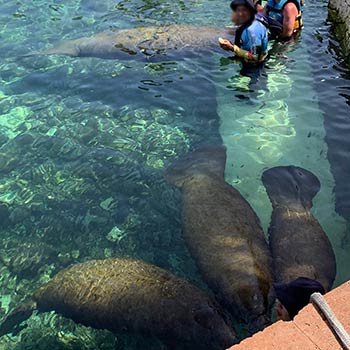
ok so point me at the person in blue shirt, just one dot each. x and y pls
(251, 41)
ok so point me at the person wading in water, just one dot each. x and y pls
(251, 40)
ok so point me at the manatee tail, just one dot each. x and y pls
(68, 48)
(210, 159)
(13, 319)
(291, 185)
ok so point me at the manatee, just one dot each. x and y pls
(299, 246)
(224, 236)
(141, 41)
(130, 295)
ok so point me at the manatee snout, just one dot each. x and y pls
(224, 339)
(256, 306)
(208, 320)
(258, 322)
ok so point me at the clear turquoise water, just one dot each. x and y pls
(83, 144)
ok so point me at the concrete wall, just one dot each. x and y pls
(308, 331)
(340, 15)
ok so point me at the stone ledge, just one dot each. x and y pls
(340, 15)
(307, 331)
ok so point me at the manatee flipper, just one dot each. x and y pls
(209, 159)
(17, 316)
(299, 246)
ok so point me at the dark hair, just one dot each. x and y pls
(296, 294)
(247, 3)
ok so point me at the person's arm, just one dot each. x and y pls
(245, 54)
(259, 7)
(290, 13)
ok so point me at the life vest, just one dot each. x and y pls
(275, 11)
(272, 25)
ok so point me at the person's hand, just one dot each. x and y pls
(260, 8)
(226, 44)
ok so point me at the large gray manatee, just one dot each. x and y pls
(224, 236)
(124, 294)
(141, 41)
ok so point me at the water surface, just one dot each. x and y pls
(84, 143)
